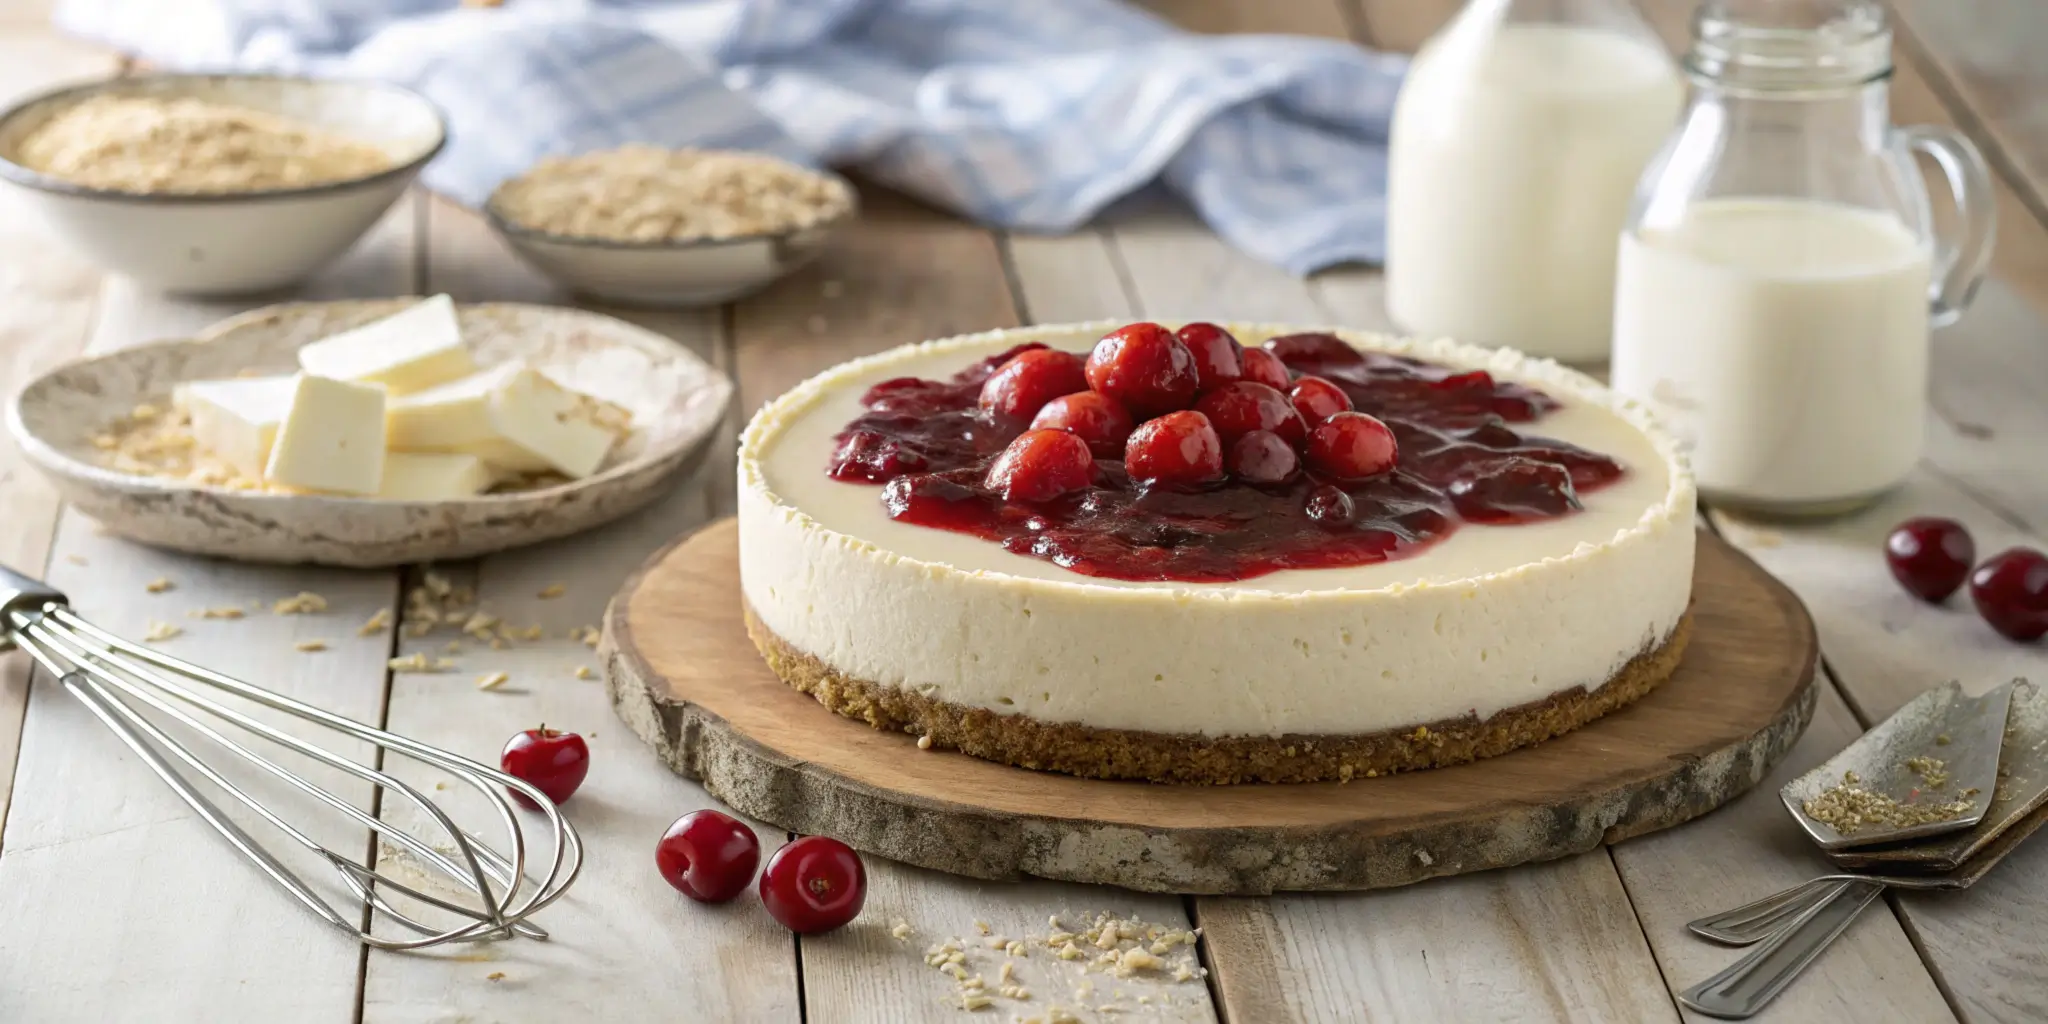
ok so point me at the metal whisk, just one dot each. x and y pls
(107, 673)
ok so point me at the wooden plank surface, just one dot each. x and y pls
(114, 897)
(1984, 56)
(47, 297)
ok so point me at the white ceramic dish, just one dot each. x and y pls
(239, 242)
(676, 400)
(672, 274)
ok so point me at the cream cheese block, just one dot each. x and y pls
(236, 420)
(511, 416)
(411, 350)
(1492, 638)
(332, 439)
(433, 476)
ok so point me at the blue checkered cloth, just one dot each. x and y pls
(1023, 114)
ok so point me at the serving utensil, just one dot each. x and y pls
(116, 679)
(1797, 925)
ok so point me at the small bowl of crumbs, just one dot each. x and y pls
(661, 227)
(217, 184)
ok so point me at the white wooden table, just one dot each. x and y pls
(115, 905)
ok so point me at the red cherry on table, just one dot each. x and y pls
(1020, 387)
(1145, 367)
(1041, 465)
(1930, 556)
(549, 760)
(708, 856)
(1179, 447)
(1240, 407)
(1351, 446)
(1317, 399)
(1217, 355)
(1094, 417)
(814, 884)
(1266, 368)
(1262, 457)
(2011, 593)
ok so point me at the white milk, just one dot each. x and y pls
(1786, 339)
(1514, 155)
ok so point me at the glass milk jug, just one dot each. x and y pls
(1781, 267)
(1517, 140)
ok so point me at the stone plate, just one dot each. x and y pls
(676, 399)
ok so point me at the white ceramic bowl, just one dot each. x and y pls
(670, 274)
(237, 242)
(676, 399)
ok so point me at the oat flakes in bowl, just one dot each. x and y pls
(683, 227)
(210, 184)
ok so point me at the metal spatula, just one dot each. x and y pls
(1942, 748)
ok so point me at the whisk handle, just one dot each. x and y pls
(20, 593)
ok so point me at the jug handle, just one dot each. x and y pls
(1959, 263)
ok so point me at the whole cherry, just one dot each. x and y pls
(1930, 556)
(1317, 399)
(2011, 592)
(1093, 417)
(1022, 386)
(1240, 407)
(1266, 368)
(708, 856)
(814, 884)
(1179, 447)
(1040, 465)
(1145, 367)
(1351, 446)
(550, 760)
(1217, 355)
(1262, 457)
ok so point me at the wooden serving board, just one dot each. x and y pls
(685, 677)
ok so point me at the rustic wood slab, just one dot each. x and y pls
(683, 674)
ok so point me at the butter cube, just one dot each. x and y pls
(332, 439)
(236, 421)
(511, 416)
(433, 476)
(411, 350)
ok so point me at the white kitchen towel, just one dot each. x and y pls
(1025, 114)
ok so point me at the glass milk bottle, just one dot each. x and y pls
(1781, 269)
(1517, 140)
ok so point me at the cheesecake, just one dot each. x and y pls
(1214, 553)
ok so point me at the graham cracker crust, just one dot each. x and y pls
(1201, 760)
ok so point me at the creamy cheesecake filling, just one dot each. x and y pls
(1492, 617)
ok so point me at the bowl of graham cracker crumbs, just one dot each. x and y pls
(669, 227)
(217, 184)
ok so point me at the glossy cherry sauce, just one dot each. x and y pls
(929, 444)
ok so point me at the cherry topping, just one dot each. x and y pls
(1020, 387)
(1266, 368)
(1317, 399)
(1514, 489)
(1329, 507)
(1041, 465)
(1351, 446)
(814, 884)
(549, 760)
(1314, 352)
(1145, 367)
(1262, 457)
(2011, 593)
(1216, 354)
(1093, 417)
(1238, 408)
(1179, 447)
(708, 855)
(1930, 556)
